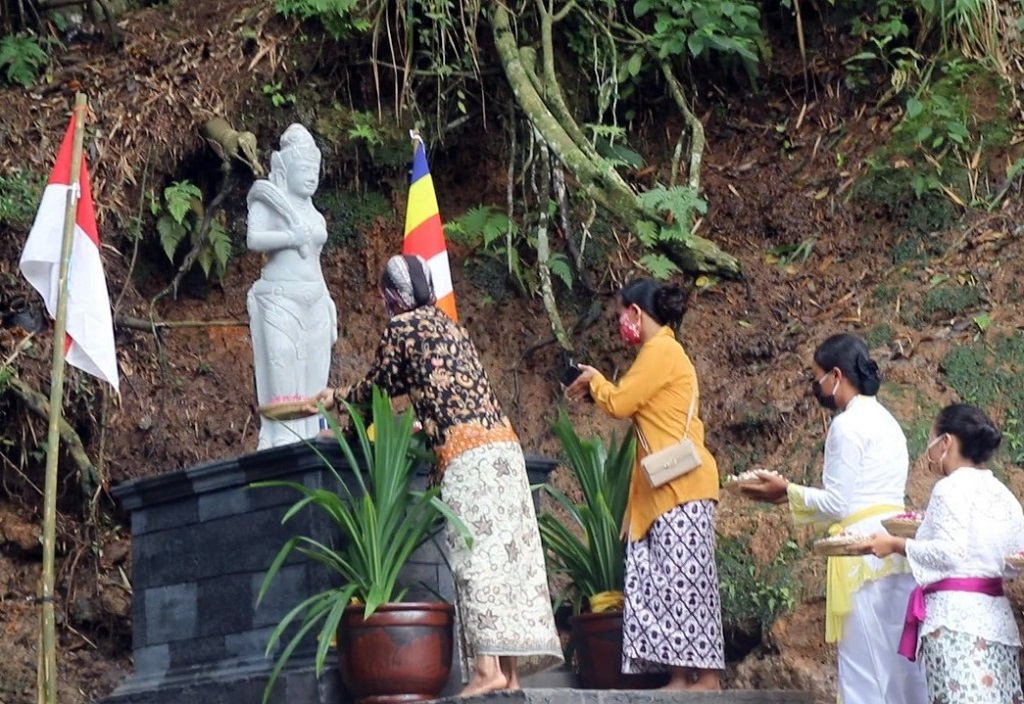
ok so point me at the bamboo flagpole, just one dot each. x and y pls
(47, 659)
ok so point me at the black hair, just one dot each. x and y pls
(663, 302)
(978, 435)
(850, 355)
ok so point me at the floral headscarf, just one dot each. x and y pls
(407, 284)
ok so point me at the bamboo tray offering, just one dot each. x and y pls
(843, 545)
(736, 482)
(904, 525)
(1016, 560)
(287, 408)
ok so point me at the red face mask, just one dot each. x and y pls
(629, 330)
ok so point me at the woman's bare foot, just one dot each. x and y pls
(479, 685)
(488, 677)
(510, 671)
(682, 679)
(707, 681)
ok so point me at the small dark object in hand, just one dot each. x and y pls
(571, 374)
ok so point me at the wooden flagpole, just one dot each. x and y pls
(47, 662)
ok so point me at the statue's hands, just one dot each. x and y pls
(303, 238)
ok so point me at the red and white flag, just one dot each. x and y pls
(90, 330)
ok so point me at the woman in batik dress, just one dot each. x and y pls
(967, 637)
(864, 480)
(672, 618)
(506, 622)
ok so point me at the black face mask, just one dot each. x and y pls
(828, 402)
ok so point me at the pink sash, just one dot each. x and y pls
(992, 586)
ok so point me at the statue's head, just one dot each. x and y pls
(296, 166)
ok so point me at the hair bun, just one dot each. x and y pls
(867, 371)
(992, 436)
(670, 304)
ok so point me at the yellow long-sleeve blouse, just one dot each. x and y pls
(656, 392)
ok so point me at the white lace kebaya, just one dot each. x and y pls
(972, 523)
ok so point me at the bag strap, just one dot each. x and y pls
(686, 430)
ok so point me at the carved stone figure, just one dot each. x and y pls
(292, 319)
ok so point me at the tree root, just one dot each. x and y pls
(124, 321)
(88, 477)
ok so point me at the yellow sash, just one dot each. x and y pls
(841, 582)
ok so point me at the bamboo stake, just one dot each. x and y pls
(47, 662)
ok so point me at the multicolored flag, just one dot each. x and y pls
(424, 234)
(89, 344)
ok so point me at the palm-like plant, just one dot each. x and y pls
(381, 525)
(595, 562)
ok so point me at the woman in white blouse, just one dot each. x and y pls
(966, 634)
(864, 480)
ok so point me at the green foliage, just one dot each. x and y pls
(483, 225)
(987, 372)
(950, 299)
(923, 173)
(274, 93)
(350, 212)
(340, 18)
(363, 128)
(381, 525)
(595, 562)
(178, 221)
(751, 592)
(20, 193)
(682, 205)
(878, 336)
(787, 254)
(659, 266)
(494, 236)
(24, 58)
(696, 27)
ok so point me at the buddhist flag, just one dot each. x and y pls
(424, 234)
(89, 344)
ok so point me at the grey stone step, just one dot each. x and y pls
(593, 696)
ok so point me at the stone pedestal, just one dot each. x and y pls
(202, 540)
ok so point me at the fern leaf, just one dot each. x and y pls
(659, 266)
(171, 235)
(559, 266)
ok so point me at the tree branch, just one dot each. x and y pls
(88, 478)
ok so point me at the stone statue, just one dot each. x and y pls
(292, 319)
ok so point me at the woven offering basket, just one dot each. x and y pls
(901, 527)
(1015, 561)
(736, 486)
(850, 547)
(286, 410)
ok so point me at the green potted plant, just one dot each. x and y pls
(387, 650)
(589, 552)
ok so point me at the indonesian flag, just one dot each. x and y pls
(90, 331)
(424, 234)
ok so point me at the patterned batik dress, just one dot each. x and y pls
(673, 613)
(502, 598)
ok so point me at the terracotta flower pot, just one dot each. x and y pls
(403, 653)
(598, 639)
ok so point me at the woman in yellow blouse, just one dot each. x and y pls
(673, 617)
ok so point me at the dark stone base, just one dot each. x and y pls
(243, 684)
(202, 540)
